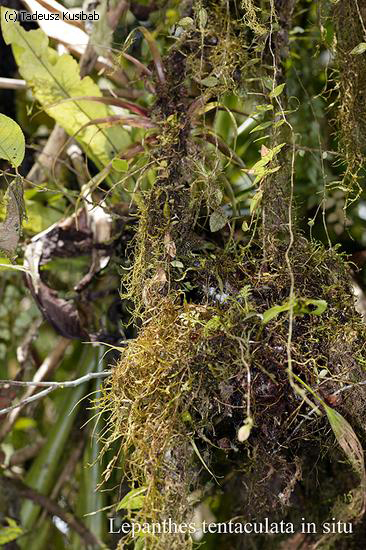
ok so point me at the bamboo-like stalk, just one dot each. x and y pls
(45, 468)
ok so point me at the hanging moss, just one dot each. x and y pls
(350, 33)
(204, 401)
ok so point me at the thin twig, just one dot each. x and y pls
(48, 365)
(65, 384)
(53, 509)
(12, 83)
(51, 386)
(349, 387)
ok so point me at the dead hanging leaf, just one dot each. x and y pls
(169, 245)
(159, 277)
(10, 229)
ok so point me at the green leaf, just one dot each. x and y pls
(360, 48)
(347, 440)
(320, 307)
(261, 126)
(24, 423)
(212, 325)
(202, 17)
(300, 307)
(218, 220)
(177, 263)
(8, 534)
(52, 78)
(12, 143)
(140, 544)
(102, 33)
(274, 311)
(210, 81)
(186, 22)
(277, 91)
(254, 203)
(120, 165)
(133, 500)
(263, 108)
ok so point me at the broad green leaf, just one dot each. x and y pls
(277, 91)
(12, 143)
(52, 78)
(133, 500)
(360, 48)
(120, 165)
(10, 533)
(218, 220)
(140, 543)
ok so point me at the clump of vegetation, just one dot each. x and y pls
(240, 349)
(210, 383)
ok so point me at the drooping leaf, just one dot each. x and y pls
(12, 144)
(10, 228)
(53, 78)
(102, 33)
(348, 440)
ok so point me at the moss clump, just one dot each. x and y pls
(197, 372)
(204, 400)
